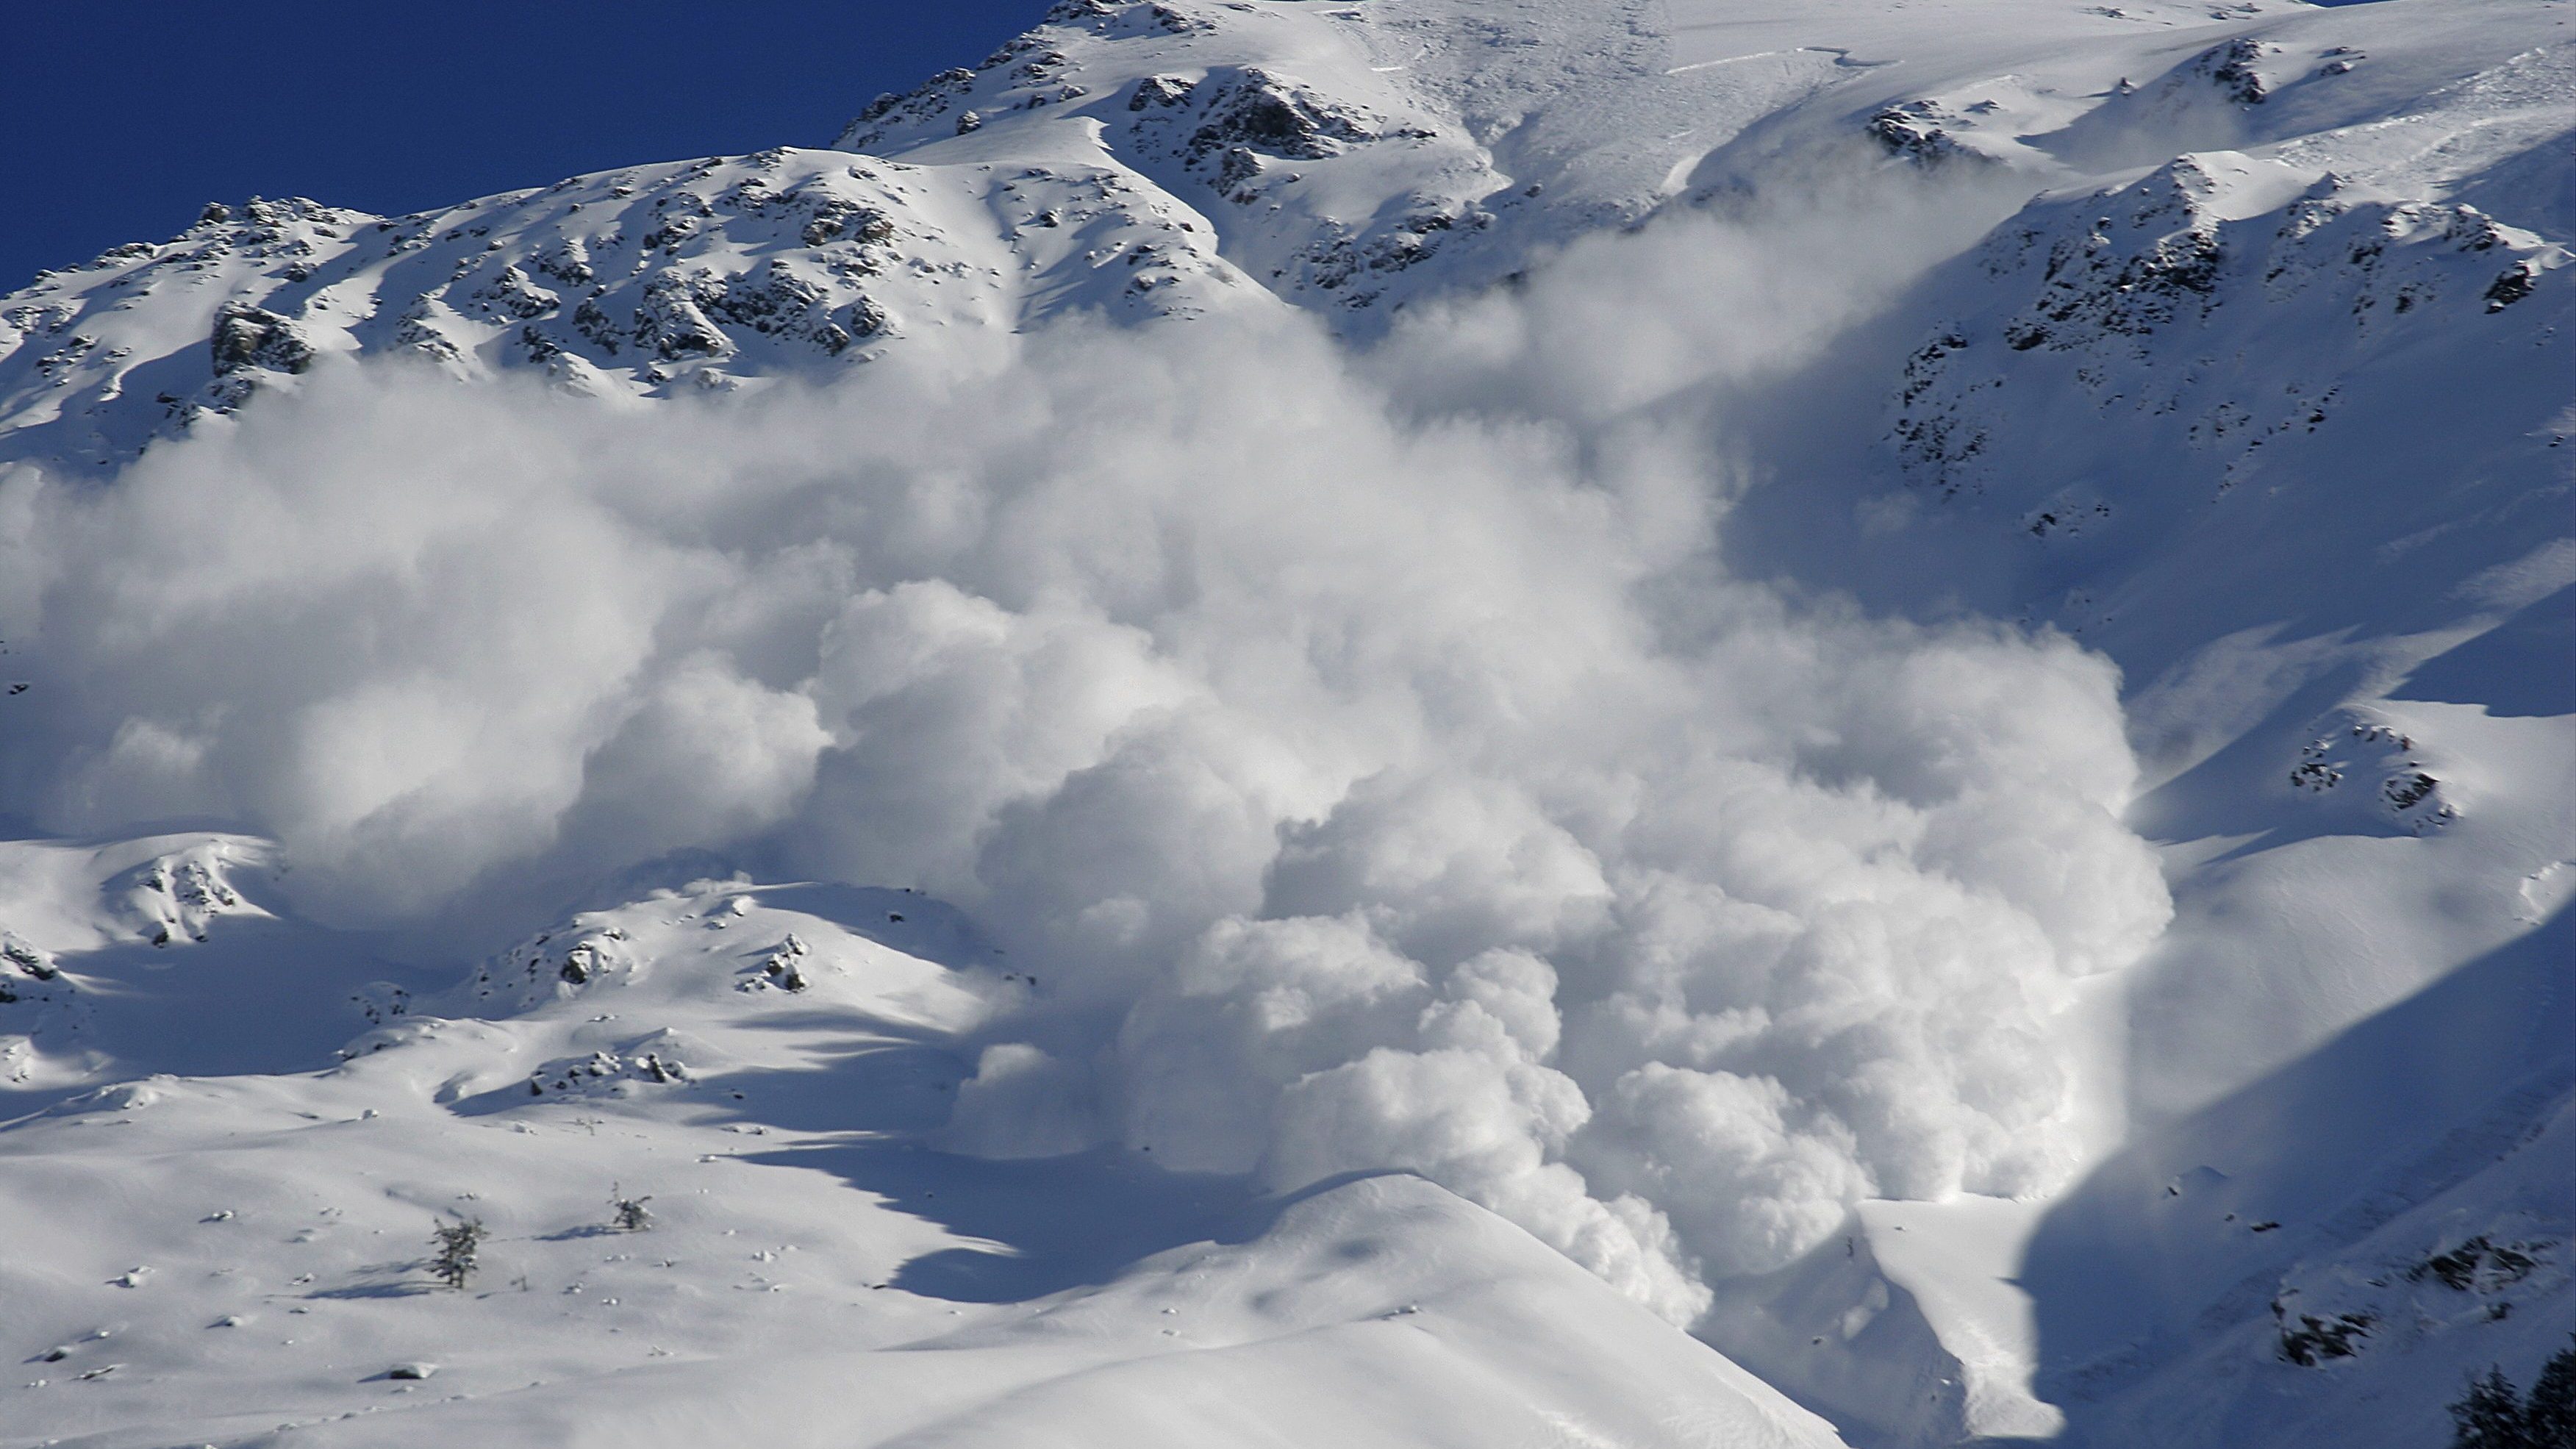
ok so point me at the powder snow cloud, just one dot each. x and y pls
(1385, 776)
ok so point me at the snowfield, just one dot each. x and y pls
(1682, 722)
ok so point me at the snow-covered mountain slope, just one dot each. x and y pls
(1110, 158)
(2335, 1245)
(238, 1254)
(633, 283)
(2328, 539)
(2228, 340)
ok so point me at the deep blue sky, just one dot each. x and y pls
(119, 121)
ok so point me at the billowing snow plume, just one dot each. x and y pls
(1365, 786)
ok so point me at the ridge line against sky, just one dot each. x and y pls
(125, 120)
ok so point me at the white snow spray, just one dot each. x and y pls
(1370, 746)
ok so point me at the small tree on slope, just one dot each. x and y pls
(2550, 1413)
(458, 1245)
(2492, 1416)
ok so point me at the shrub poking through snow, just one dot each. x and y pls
(459, 1245)
(628, 1213)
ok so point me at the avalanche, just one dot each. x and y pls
(1652, 723)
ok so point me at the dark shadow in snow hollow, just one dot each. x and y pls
(255, 996)
(2523, 666)
(1049, 1224)
(2184, 1233)
(878, 1079)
